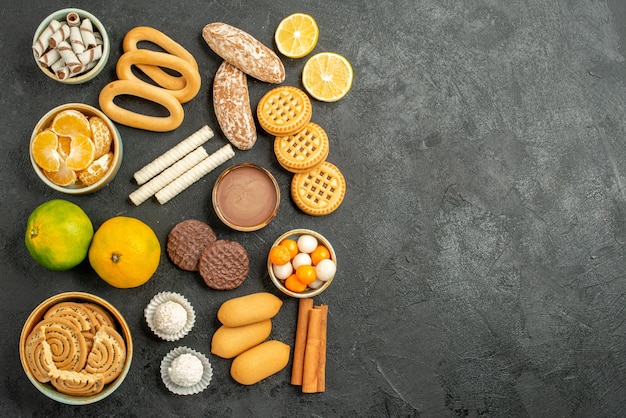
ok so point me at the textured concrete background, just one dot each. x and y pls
(480, 243)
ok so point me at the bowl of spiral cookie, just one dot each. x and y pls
(76, 348)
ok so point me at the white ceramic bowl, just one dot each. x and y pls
(308, 292)
(60, 16)
(37, 315)
(117, 149)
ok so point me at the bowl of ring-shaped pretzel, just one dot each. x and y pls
(71, 46)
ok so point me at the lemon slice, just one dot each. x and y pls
(327, 76)
(296, 35)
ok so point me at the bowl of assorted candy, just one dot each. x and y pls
(71, 46)
(302, 263)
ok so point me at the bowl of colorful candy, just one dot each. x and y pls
(302, 263)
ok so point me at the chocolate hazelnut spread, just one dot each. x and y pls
(246, 197)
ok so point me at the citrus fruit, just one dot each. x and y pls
(44, 150)
(125, 252)
(62, 177)
(101, 135)
(327, 76)
(82, 152)
(58, 234)
(96, 170)
(71, 122)
(64, 148)
(296, 35)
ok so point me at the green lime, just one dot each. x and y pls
(58, 234)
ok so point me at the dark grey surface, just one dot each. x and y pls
(480, 243)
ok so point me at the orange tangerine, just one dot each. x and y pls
(291, 245)
(279, 255)
(320, 253)
(306, 274)
(44, 150)
(62, 177)
(101, 136)
(72, 123)
(82, 152)
(96, 170)
(292, 283)
(65, 144)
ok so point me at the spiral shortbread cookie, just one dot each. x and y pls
(302, 151)
(67, 343)
(319, 191)
(39, 356)
(108, 355)
(79, 315)
(284, 110)
(77, 383)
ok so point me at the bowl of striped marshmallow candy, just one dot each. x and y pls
(71, 46)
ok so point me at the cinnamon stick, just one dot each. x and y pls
(321, 373)
(304, 305)
(310, 369)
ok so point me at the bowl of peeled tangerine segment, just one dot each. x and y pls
(75, 149)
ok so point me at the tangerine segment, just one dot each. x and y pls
(101, 136)
(82, 152)
(65, 144)
(71, 122)
(296, 35)
(96, 170)
(44, 150)
(327, 76)
(62, 177)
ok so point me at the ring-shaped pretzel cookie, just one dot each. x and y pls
(165, 60)
(144, 91)
(157, 74)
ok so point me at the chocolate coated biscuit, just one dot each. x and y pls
(224, 265)
(186, 241)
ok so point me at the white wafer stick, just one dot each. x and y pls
(72, 19)
(86, 30)
(89, 55)
(195, 173)
(167, 176)
(59, 36)
(76, 40)
(174, 154)
(50, 57)
(68, 55)
(43, 41)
